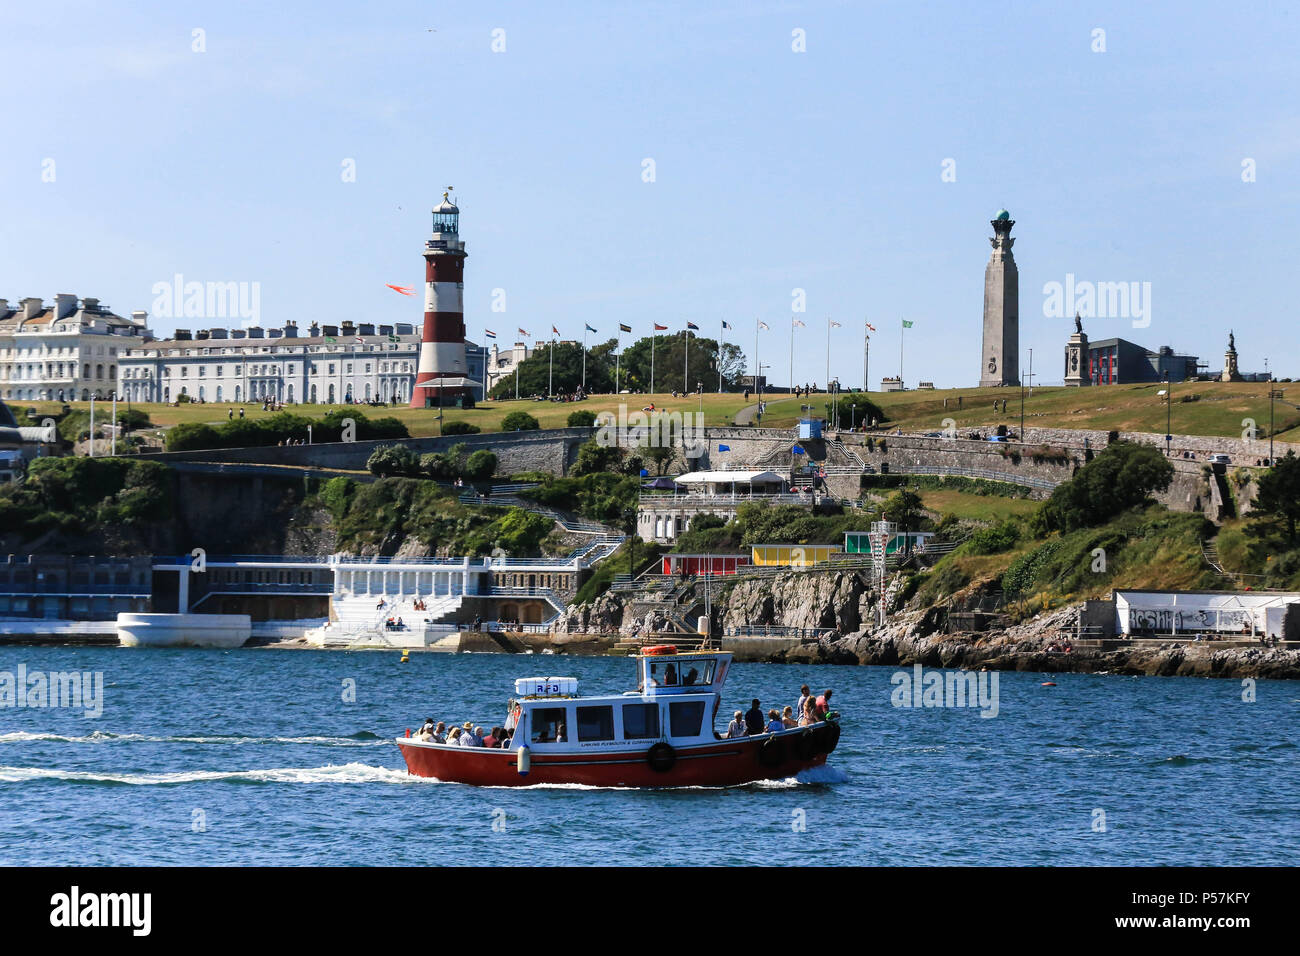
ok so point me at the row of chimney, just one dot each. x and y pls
(290, 331)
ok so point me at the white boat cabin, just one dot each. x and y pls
(676, 700)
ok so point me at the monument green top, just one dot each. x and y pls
(1002, 214)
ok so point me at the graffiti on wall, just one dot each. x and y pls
(1165, 619)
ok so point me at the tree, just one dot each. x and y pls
(481, 465)
(670, 364)
(594, 457)
(852, 409)
(537, 371)
(460, 428)
(1279, 493)
(1123, 476)
(519, 422)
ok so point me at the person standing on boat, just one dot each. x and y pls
(754, 719)
(512, 717)
(737, 726)
(824, 705)
(809, 715)
(804, 693)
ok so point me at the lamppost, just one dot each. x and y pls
(853, 408)
(1169, 411)
(1272, 394)
(629, 515)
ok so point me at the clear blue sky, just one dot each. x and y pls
(775, 170)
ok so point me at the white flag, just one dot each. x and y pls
(798, 323)
(834, 324)
(762, 325)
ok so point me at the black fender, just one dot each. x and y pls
(661, 757)
(772, 752)
(805, 745)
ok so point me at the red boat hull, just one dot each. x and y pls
(722, 763)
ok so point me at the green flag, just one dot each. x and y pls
(330, 338)
(907, 324)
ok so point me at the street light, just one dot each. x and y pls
(1272, 394)
(1168, 393)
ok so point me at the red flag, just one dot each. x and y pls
(660, 328)
(404, 289)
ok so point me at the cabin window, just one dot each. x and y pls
(595, 723)
(665, 677)
(640, 721)
(685, 717)
(697, 673)
(547, 725)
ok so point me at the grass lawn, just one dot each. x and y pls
(1219, 409)
(991, 508)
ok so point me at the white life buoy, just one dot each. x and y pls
(524, 760)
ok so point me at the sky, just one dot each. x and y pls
(634, 163)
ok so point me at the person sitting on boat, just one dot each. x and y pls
(440, 733)
(809, 715)
(467, 737)
(453, 738)
(754, 719)
(427, 726)
(737, 726)
(481, 740)
(512, 716)
(559, 733)
(424, 734)
(787, 717)
(774, 724)
(493, 739)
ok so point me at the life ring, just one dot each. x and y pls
(661, 757)
(659, 649)
(805, 745)
(772, 752)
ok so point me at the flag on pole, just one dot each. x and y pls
(554, 330)
(907, 324)
(489, 333)
(524, 333)
(871, 327)
(724, 448)
(330, 338)
(799, 323)
(834, 324)
(404, 289)
(394, 338)
(692, 325)
(359, 340)
(763, 326)
(589, 328)
(624, 328)
(660, 328)
(726, 324)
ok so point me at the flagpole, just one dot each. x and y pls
(686, 365)
(720, 331)
(584, 358)
(653, 336)
(866, 352)
(792, 355)
(550, 372)
(902, 330)
(618, 358)
(828, 353)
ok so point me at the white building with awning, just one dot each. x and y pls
(1237, 613)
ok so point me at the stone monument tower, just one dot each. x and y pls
(1230, 371)
(1000, 361)
(1076, 356)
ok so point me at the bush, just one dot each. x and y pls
(581, 419)
(336, 495)
(392, 460)
(283, 426)
(480, 466)
(995, 540)
(460, 428)
(519, 422)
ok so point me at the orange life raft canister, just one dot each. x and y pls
(659, 649)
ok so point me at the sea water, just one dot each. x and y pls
(282, 757)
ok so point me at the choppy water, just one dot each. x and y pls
(252, 756)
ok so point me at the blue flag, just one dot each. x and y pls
(724, 448)
(589, 328)
(797, 450)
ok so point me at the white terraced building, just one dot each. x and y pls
(69, 351)
(350, 362)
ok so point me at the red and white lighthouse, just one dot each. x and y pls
(441, 376)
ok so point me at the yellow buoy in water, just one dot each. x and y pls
(406, 657)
